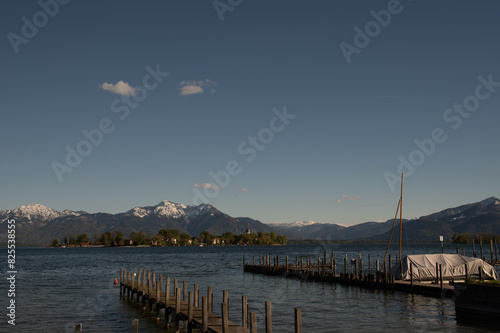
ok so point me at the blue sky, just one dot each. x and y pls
(312, 106)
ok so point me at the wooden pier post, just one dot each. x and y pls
(225, 297)
(269, 328)
(287, 264)
(78, 328)
(161, 282)
(210, 299)
(204, 311)
(196, 295)
(441, 276)
(334, 267)
(153, 284)
(473, 248)
(121, 281)
(190, 307)
(157, 301)
(177, 308)
(135, 326)
(184, 290)
(325, 257)
(376, 266)
(139, 281)
(167, 296)
(167, 290)
(345, 264)
(437, 274)
(177, 301)
(253, 322)
(298, 320)
(225, 317)
(244, 311)
(411, 275)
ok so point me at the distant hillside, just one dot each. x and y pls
(474, 218)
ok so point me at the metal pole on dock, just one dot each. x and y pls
(135, 326)
(496, 250)
(491, 251)
(481, 246)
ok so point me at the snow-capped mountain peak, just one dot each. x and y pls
(36, 212)
(489, 201)
(171, 209)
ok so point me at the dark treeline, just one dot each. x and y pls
(467, 238)
(170, 237)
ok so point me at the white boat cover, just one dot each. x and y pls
(453, 266)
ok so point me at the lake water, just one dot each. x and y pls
(58, 288)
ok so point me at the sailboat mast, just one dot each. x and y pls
(401, 217)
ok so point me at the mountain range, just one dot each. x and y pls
(37, 224)
(474, 218)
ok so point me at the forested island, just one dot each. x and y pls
(169, 237)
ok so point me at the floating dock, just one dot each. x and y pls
(325, 271)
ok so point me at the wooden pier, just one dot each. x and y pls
(325, 270)
(145, 290)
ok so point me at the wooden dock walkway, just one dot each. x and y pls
(325, 271)
(146, 291)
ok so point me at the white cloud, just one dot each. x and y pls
(190, 90)
(196, 87)
(339, 201)
(244, 189)
(207, 185)
(357, 197)
(120, 88)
